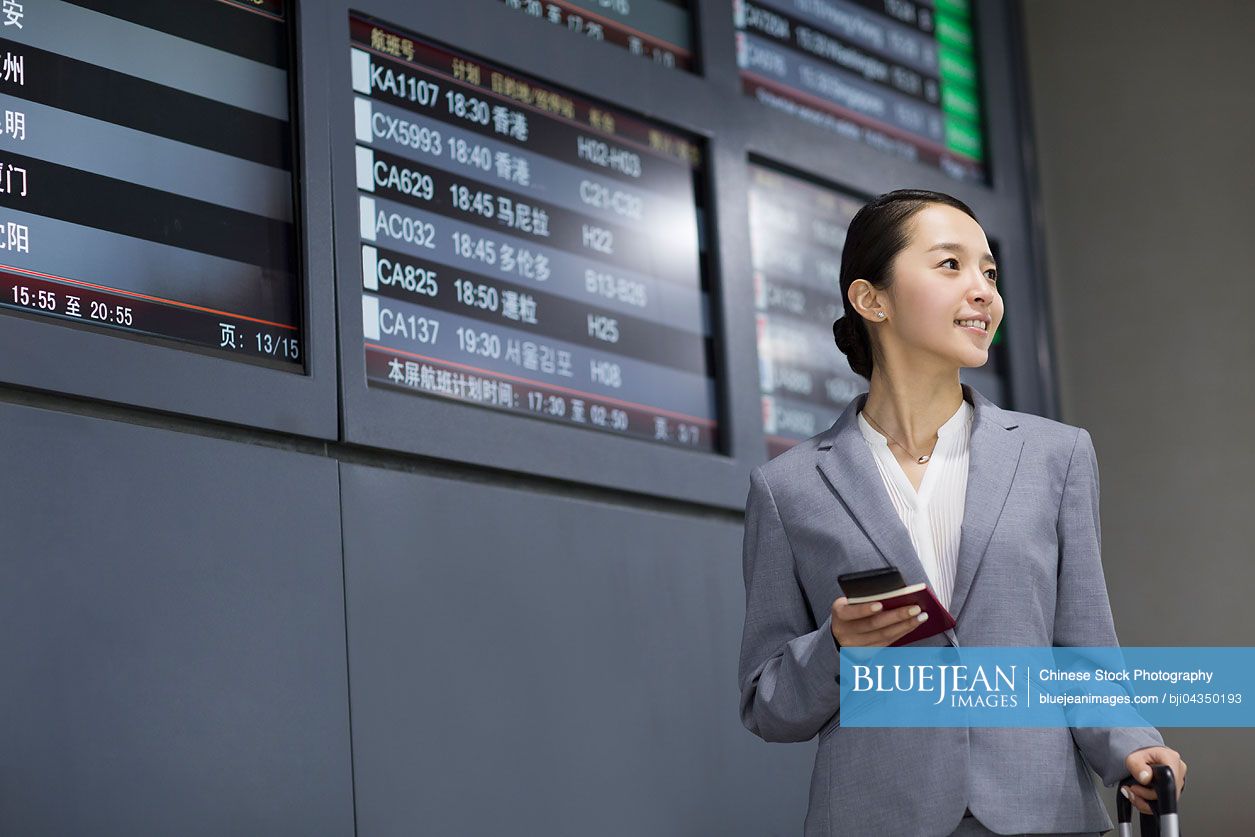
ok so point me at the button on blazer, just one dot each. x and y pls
(1029, 574)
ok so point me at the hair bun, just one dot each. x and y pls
(843, 334)
(851, 337)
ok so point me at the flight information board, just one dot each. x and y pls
(146, 166)
(656, 29)
(527, 249)
(900, 75)
(797, 232)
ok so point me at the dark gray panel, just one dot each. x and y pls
(530, 664)
(171, 635)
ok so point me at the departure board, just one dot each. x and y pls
(657, 29)
(900, 75)
(797, 232)
(527, 249)
(146, 163)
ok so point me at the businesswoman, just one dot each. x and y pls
(996, 510)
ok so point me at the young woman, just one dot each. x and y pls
(996, 510)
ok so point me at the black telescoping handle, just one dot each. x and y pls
(1164, 823)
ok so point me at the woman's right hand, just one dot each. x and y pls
(867, 624)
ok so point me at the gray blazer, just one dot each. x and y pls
(1029, 574)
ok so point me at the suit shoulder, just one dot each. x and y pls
(1056, 438)
(799, 458)
(1040, 424)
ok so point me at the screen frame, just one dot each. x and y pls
(483, 436)
(33, 353)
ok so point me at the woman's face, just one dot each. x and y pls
(944, 274)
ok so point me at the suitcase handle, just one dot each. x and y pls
(1164, 822)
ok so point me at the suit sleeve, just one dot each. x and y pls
(789, 666)
(1082, 608)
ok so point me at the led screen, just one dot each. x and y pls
(797, 231)
(146, 186)
(525, 248)
(900, 75)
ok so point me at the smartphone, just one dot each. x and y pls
(870, 582)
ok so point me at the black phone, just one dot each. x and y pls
(870, 582)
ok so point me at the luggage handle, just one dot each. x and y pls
(1164, 822)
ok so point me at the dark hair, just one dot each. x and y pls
(877, 233)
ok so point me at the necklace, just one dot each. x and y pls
(920, 459)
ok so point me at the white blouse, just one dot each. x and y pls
(933, 516)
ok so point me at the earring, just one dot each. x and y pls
(880, 313)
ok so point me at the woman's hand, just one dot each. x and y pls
(1139, 761)
(866, 625)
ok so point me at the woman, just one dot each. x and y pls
(889, 484)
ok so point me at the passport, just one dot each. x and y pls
(939, 619)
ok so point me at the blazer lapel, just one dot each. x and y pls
(847, 463)
(993, 455)
(850, 469)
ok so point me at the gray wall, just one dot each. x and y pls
(1145, 125)
(539, 662)
(172, 650)
(190, 610)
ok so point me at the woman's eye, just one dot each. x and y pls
(994, 271)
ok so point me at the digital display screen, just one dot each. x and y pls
(900, 75)
(797, 232)
(146, 166)
(660, 30)
(527, 249)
